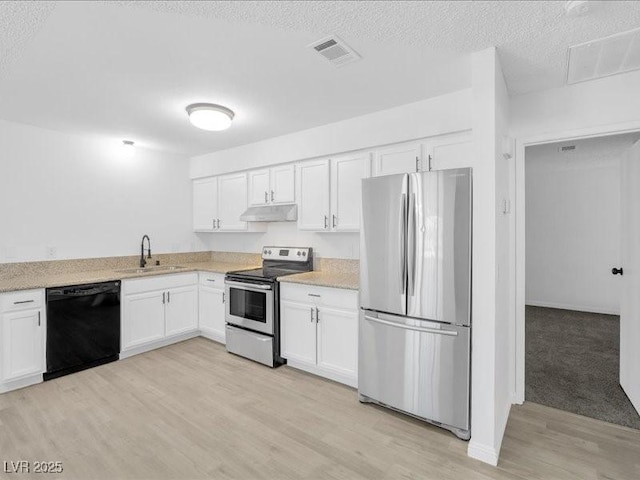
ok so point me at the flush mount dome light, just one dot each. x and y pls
(209, 116)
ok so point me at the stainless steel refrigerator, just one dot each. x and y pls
(415, 296)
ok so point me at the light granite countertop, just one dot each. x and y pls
(31, 280)
(333, 279)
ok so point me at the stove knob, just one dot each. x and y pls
(269, 252)
(304, 254)
(265, 252)
(298, 253)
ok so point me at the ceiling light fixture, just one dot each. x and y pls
(209, 116)
(128, 148)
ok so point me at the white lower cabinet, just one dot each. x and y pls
(319, 331)
(22, 339)
(157, 311)
(211, 306)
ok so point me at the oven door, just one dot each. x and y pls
(250, 305)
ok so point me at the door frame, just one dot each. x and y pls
(519, 252)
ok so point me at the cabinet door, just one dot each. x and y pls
(338, 340)
(211, 313)
(259, 187)
(181, 310)
(142, 318)
(452, 152)
(22, 344)
(205, 204)
(298, 332)
(346, 191)
(232, 201)
(283, 184)
(402, 158)
(313, 195)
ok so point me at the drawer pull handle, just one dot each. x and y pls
(23, 301)
(313, 295)
(210, 280)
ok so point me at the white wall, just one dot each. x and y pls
(490, 382)
(80, 196)
(326, 245)
(573, 224)
(606, 101)
(434, 116)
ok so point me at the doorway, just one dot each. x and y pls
(573, 237)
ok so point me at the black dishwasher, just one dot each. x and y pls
(83, 327)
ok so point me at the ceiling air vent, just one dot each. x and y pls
(335, 51)
(617, 53)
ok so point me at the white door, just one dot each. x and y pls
(402, 158)
(298, 332)
(211, 313)
(232, 201)
(143, 318)
(346, 191)
(259, 187)
(22, 344)
(338, 340)
(283, 184)
(630, 298)
(313, 195)
(205, 204)
(181, 310)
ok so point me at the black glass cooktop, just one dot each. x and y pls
(264, 273)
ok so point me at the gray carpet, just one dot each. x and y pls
(572, 364)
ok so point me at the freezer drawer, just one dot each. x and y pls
(419, 367)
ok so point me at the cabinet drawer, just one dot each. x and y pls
(21, 300)
(213, 280)
(325, 296)
(163, 282)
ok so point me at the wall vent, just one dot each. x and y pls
(617, 53)
(567, 149)
(335, 51)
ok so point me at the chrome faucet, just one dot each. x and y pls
(143, 262)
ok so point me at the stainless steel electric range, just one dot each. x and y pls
(253, 303)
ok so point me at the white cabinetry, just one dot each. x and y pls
(313, 195)
(22, 339)
(158, 311)
(319, 330)
(329, 193)
(435, 153)
(272, 186)
(218, 203)
(211, 306)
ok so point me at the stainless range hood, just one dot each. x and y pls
(271, 213)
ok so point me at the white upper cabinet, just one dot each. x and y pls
(259, 187)
(313, 195)
(347, 172)
(205, 204)
(283, 184)
(450, 151)
(272, 185)
(232, 202)
(400, 158)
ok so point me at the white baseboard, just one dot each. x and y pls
(21, 383)
(350, 380)
(212, 335)
(577, 308)
(484, 453)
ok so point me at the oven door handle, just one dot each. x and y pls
(248, 286)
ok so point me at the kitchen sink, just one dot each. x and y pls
(151, 269)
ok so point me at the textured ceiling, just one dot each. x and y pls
(127, 69)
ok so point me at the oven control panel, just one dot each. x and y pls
(292, 254)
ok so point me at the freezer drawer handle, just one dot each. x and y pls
(451, 333)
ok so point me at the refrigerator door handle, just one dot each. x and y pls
(403, 244)
(451, 333)
(411, 245)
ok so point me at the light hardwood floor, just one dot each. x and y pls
(193, 411)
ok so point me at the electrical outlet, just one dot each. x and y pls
(51, 252)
